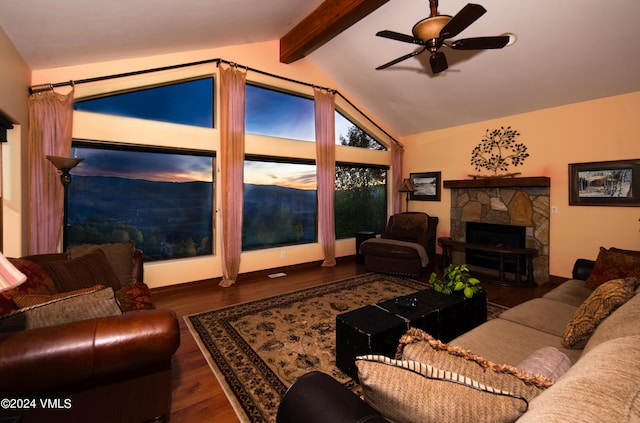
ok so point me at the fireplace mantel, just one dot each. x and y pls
(533, 181)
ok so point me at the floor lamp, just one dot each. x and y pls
(407, 187)
(64, 165)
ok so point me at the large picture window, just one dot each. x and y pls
(161, 199)
(183, 102)
(360, 199)
(360, 190)
(350, 134)
(280, 203)
(279, 114)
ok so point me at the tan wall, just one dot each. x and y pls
(14, 83)
(598, 130)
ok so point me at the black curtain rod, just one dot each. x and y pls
(37, 88)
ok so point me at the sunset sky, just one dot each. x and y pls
(184, 168)
(143, 165)
(300, 176)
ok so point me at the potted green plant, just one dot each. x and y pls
(456, 279)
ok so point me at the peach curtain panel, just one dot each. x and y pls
(326, 172)
(50, 124)
(396, 177)
(232, 110)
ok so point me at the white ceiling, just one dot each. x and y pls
(567, 51)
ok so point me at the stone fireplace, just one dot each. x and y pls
(522, 202)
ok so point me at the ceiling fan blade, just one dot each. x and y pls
(480, 43)
(400, 59)
(468, 15)
(399, 37)
(438, 62)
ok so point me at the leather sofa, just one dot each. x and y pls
(103, 369)
(405, 248)
(600, 382)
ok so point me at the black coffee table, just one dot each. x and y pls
(376, 328)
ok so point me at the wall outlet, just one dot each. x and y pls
(283, 255)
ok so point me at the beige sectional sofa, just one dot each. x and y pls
(603, 383)
(597, 379)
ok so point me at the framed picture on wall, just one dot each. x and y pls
(426, 185)
(613, 183)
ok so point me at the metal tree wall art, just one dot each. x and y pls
(498, 150)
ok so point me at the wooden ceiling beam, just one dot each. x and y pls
(328, 20)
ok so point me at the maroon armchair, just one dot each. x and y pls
(406, 247)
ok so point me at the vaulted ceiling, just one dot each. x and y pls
(566, 51)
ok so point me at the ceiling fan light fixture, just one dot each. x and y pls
(432, 32)
(429, 28)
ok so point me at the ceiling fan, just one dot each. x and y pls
(432, 32)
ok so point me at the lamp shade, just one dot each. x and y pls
(407, 186)
(10, 277)
(64, 163)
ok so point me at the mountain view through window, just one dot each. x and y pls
(160, 200)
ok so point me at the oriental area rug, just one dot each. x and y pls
(259, 348)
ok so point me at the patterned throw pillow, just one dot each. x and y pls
(408, 391)
(38, 282)
(418, 345)
(29, 300)
(600, 304)
(135, 297)
(472, 389)
(101, 303)
(6, 304)
(119, 255)
(82, 272)
(614, 263)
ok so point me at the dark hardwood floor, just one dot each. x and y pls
(197, 396)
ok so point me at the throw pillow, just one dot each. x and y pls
(82, 272)
(101, 303)
(418, 345)
(547, 361)
(135, 297)
(614, 263)
(38, 282)
(29, 300)
(119, 255)
(408, 391)
(6, 304)
(600, 304)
